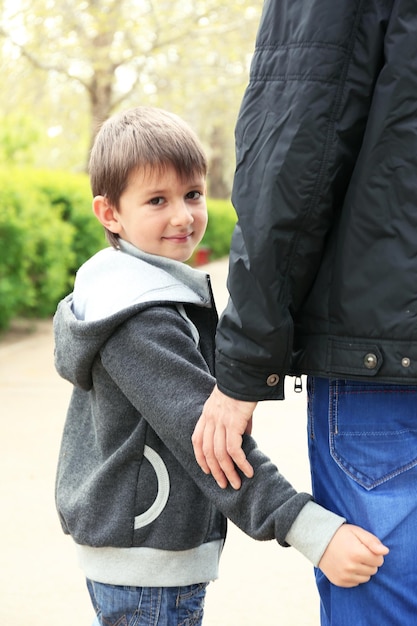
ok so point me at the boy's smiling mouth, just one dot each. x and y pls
(181, 237)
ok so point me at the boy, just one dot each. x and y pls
(136, 339)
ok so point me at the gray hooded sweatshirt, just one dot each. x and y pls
(136, 340)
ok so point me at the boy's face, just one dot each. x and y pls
(162, 215)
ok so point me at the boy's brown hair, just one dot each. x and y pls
(144, 138)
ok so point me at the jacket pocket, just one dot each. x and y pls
(373, 430)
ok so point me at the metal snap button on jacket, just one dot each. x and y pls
(272, 380)
(370, 361)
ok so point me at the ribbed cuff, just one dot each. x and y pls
(313, 530)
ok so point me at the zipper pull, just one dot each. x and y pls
(298, 384)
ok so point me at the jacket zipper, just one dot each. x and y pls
(298, 384)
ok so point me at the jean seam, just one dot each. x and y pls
(310, 406)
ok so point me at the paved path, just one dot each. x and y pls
(260, 584)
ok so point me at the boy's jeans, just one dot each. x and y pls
(147, 606)
(363, 457)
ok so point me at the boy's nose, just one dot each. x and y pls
(181, 214)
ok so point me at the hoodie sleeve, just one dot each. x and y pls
(165, 377)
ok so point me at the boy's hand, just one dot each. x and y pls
(352, 556)
(217, 438)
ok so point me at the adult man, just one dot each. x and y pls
(323, 270)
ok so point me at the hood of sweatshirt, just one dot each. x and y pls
(109, 288)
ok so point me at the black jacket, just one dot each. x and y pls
(323, 265)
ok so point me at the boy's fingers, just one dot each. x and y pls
(370, 541)
(377, 547)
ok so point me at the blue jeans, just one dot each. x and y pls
(147, 606)
(363, 458)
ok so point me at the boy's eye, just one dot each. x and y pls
(156, 201)
(193, 195)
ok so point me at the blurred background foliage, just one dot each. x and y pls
(66, 67)
(47, 230)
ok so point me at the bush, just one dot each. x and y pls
(69, 195)
(42, 233)
(221, 222)
(15, 288)
(36, 250)
(48, 229)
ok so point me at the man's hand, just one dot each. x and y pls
(352, 556)
(217, 438)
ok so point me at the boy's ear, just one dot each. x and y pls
(106, 214)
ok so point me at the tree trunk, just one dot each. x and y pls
(218, 187)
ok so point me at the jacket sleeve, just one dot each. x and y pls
(166, 379)
(299, 130)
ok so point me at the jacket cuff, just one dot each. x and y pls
(313, 530)
(244, 382)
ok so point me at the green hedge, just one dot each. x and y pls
(47, 230)
(69, 196)
(221, 222)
